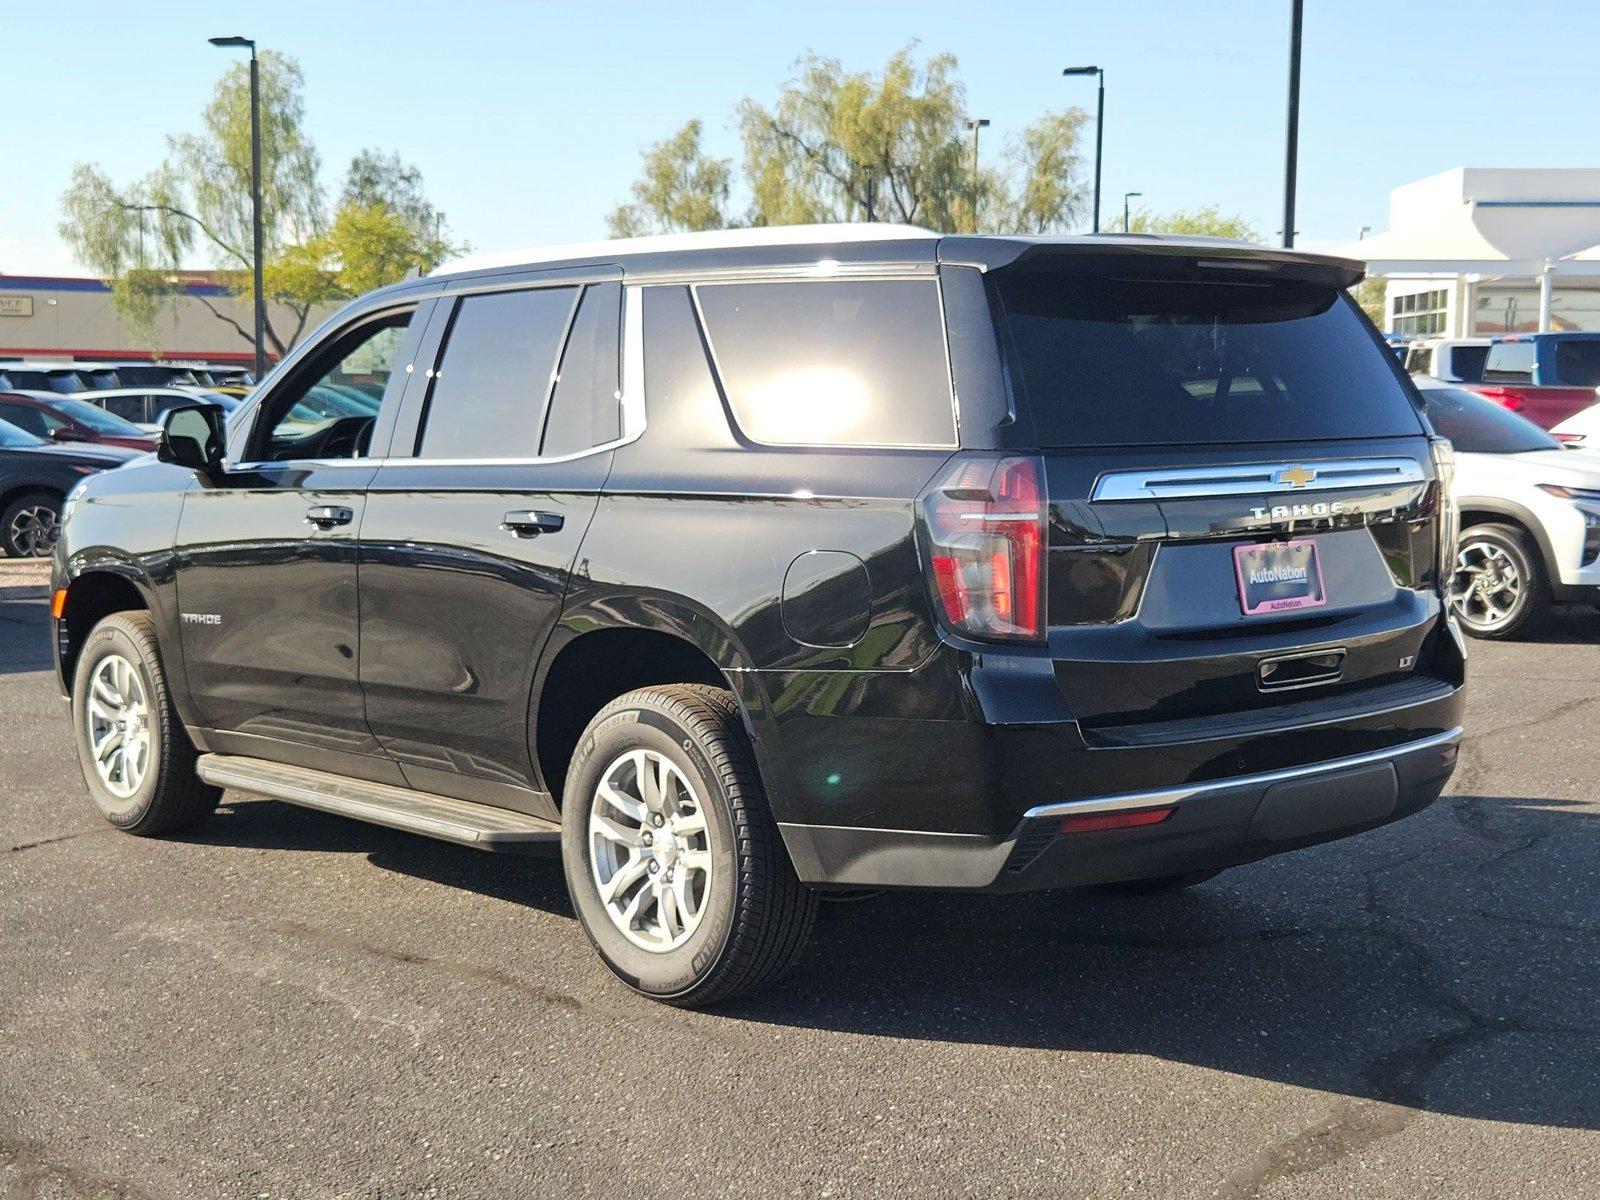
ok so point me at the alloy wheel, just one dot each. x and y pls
(118, 725)
(34, 530)
(650, 850)
(1489, 588)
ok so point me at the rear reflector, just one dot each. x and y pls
(58, 603)
(1091, 822)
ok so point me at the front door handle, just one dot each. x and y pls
(532, 524)
(327, 516)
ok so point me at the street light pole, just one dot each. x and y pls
(975, 124)
(1292, 147)
(1099, 130)
(257, 234)
(1126, 196)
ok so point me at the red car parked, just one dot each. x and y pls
(1545, 377)
(64, 419)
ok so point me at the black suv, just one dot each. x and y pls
(748, 566)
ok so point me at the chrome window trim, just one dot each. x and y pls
(631, 398)
(867, 276)
(1255, 479)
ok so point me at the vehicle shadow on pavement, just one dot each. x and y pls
(24, 630)
(1396, 973)
(533, 880)
(1410, 979)
(1575, 624)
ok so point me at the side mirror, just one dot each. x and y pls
(192, 436)
(63, 433)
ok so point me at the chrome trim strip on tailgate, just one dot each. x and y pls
(1174, 483)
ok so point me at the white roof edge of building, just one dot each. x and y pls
(661, 243)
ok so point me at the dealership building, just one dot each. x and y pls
(59, 317)
(1475, 251)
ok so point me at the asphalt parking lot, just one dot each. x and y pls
(289, 1004)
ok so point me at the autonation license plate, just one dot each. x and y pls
(1278, 577)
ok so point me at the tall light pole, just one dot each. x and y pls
(1292, 148)
(1099, 130)
(1126, 196)
(257, 237)
(975, 124)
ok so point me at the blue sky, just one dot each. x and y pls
(527, 118)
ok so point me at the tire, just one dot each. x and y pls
(120, 661)
(30, 525)
(1500, 589)
(1161, 885)
(737, 918)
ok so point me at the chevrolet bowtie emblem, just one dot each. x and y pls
(1296, 476)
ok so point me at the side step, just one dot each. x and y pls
(460, 821)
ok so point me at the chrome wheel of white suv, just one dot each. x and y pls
(649, 851)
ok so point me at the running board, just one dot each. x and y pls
(451, 820)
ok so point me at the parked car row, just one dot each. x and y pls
(69, 377)
(1549, 378)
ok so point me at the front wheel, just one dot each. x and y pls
(674, 863)
(30, 525)
(137, 760)
(1500, 589)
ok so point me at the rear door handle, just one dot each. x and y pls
(532, 524)
(327, 516)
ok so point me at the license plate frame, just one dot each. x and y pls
(1278, 577)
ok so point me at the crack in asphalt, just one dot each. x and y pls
(459, 970)
(51, 841)
(1397, 1079)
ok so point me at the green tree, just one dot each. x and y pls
(1369, 294)
(1196, 222)
(681, 188)
(198, 202)
(840, 145)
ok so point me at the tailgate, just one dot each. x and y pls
(1158, 572)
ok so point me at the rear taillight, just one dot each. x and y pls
(1444, 469)
(983, 521)
(1505, 399)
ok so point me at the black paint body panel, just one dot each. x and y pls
(412, 645)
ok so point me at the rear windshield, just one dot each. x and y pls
(1578, 363)
(1111, 361)
(1480, 426)
(1509, 362)
(1466, 363)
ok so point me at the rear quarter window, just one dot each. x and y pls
(833, 363)
(1105, 360)
(1578, 363)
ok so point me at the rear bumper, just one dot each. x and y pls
(1215, 824)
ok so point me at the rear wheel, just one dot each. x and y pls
(1500, 589)
(674, 863)
(30, 525)
(137, 761)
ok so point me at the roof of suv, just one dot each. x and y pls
(815, 245)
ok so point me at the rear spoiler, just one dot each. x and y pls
(1190, 258)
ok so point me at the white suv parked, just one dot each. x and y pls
(1530, 515)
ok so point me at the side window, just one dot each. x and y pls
(129, 408)
(488, 394)
(586, 406)
(25, 416)
(328, 407)
(836, 363)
